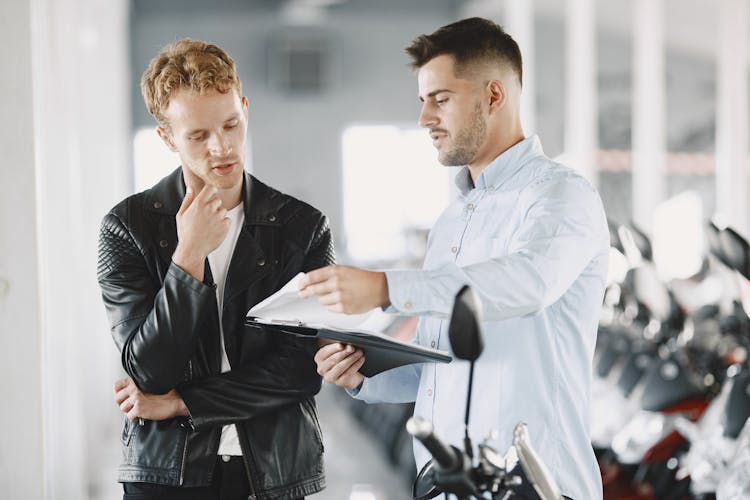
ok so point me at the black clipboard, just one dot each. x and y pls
(381, 352)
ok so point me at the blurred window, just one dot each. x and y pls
(393, 191)
(152, 159)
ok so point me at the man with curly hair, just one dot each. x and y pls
(214, 409)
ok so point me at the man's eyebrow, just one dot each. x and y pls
(198, 130)
(434, 93)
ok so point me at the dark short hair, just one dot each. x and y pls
(469, 41)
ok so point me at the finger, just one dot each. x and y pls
(187, 200)
(327, 351)
(319, 288)
(337, 370)
(215, 205)
(335, 360)
(121, 396)
(132, 415)
(350, 372)
(119, 384)
(324, 342)
(330, 299)
(207, 193)
(339, 361)
(329, 365)
(337, 308)
(316, 276)
(126, 406)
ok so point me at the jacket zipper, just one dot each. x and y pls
(184, 458)
(244, 445)
(187, 431)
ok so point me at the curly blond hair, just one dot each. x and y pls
(187, 64)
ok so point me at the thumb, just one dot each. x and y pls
(187, 200)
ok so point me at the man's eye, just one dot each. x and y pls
(196, 137)
(442, 101)
(230, 126)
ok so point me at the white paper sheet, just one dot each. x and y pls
(287, 306)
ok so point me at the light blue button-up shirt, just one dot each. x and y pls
(531, 238)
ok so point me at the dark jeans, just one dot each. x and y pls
(229, 483)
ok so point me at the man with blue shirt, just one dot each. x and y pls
(527, 234)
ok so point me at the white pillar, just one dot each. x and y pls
(82, 131)
(21, 448)
(581, 116)
(649, 110)
(519, 23)
(732, 188)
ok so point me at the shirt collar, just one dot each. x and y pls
(502, 168)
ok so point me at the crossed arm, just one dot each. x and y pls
(146, 327)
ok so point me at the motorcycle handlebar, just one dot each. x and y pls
(445, 456)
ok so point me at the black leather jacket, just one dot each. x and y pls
(165, 324)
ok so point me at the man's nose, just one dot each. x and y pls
(219, 145)
(427, 117)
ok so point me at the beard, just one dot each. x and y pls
(468, 141)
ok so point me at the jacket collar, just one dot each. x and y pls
(262, 203)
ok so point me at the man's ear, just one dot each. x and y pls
(167, 138)
(496, 95)
(245, 105)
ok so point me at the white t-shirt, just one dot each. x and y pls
(219, 261)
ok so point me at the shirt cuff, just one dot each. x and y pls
(399, 291)
(355, 392)
(419, 292)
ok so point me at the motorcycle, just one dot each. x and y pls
(718, 440)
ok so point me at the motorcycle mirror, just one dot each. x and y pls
(533, 467)
(736, 250)
(642, 242)
(464, 331)
(714, 243)
(614, 237)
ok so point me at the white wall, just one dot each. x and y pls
(65, 162)
(20, 335)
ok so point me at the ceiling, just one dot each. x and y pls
(689, 25)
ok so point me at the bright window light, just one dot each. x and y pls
(152, 159)
(393, 187)
(678, 236)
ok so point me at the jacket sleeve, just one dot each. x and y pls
(286, 374)
(155, 326)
